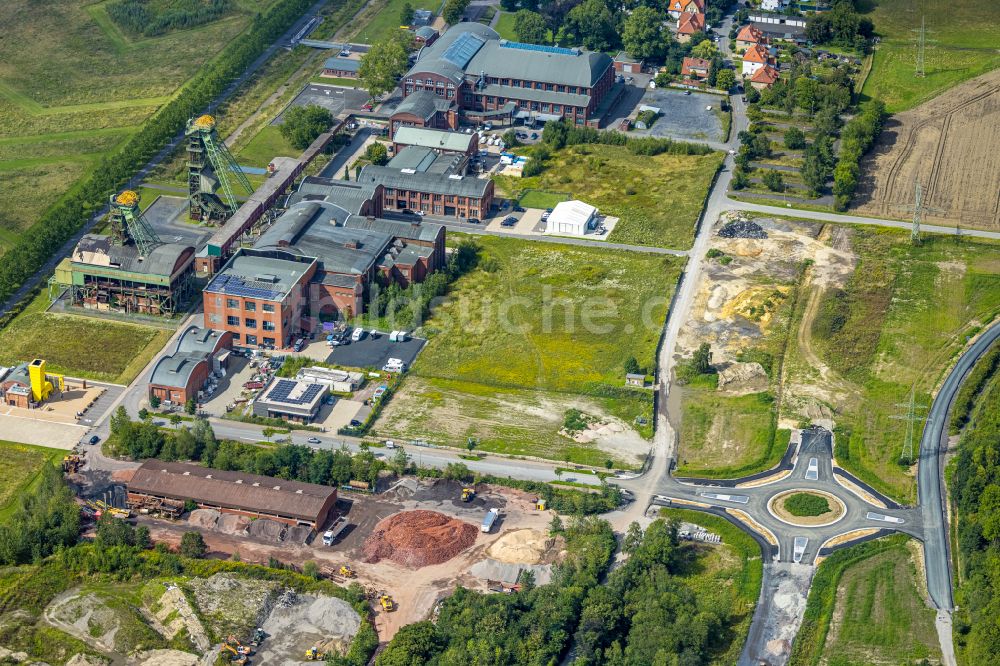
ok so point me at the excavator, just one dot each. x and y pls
(387, 603)
(347, 572)
(313, 654)
(236, 645)
(468, 493)
(237, 658)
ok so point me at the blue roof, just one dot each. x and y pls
(461, 51)
(538, 47)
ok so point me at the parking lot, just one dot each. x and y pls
(168, 217)
(332, 98)
(374, 352)
(683, 116)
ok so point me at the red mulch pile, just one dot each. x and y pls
(418, 539)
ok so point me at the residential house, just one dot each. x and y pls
(677, 7)
(749, 35)
(754, 58)
(695, 68)
(774, 5)
(765, 77)
(689, 24)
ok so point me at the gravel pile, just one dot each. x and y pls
(203, 518)
(267, 530)
(418, 539)
(742, 229)
(231, 523)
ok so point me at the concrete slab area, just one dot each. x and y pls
(168, 217)
(52, 434)
(683, 116)
(332, 98)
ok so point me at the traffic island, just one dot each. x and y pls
(806, 508)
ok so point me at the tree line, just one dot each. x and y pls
(975, 491)
(114, 170)
(138, 17)
(856, 139)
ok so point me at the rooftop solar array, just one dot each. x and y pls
(237, 285)
(538, 47)
(461, 51)
(282, 392)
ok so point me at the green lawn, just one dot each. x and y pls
(382, 20)
(505, 26)
(562, 318)
(905, 313)
(962, 43)
(541, 199)
(658, 199)
(80, 346)
(265, 147)
(866, 606)
(20, 465)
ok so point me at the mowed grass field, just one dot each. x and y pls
(657, 198)
(73, 86)
(19, 468)
(867, 607)
(906, 312)
(534, 330)
(80, 346)
(961, 44)
(380, 19)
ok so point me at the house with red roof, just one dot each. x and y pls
(695, 68)
(754, 58)
(677, 7)
(749, 35)
(689, 24)
(765, 77)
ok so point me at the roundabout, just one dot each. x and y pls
(807, 508)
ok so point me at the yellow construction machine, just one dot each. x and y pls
(237, 658)
(313, 654)
(468, 493)
(347, 572)
(387, 603)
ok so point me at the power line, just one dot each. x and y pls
(918, 208)
(921, 43)
(911, 418)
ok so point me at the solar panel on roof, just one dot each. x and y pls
(460, 51)
(539, 47)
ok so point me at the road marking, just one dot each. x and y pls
(812, 473)
(871, 515)
(799, 548)
(738, 499)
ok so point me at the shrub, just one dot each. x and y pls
(794, 138)
(773, 181)
(807, 504)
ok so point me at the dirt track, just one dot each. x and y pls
(950, 145)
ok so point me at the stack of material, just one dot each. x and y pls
(203, 518)
(418, 539)
(742, 229)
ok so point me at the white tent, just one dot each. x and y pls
(571, 218)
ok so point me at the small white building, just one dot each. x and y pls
(571, 218)
(336, 380)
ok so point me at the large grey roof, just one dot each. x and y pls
(432, 138)
(343, 64)
(175, 369)
(422, 231)
(413, 157)
(99, 250)
(199, 340)
(563, 66)
(422, 104)
(467, 186)
(258, 275)
(534, 95)
(347, 194)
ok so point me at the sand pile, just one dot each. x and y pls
(267, 530)
(231, 523)
(203, 518)
(520, 547)
(418, 538)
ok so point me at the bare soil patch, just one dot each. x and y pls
(951, 146)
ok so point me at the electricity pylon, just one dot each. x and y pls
(911, 418)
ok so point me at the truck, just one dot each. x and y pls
(489, 520)
(339, 526)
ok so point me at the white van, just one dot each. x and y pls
(357, 334)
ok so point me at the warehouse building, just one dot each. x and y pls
(341, 68)
(571, 218)
(437, 140)
(178, 377)
(291, 502)
(470, 72)
(446, 194)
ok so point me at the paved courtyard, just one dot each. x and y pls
(683, 116)
(332, 98)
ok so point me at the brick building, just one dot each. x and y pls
(178, 377)
(451, 195)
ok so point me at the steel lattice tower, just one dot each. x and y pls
(207, 150)
(911, 418)
(129, 225)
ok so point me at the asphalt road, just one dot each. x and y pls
(930, 482)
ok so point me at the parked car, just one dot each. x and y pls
(94, 440)
(358, 334)
(298, 345)
(509, 221)
(419, 213)
(473, 220)
(313, 440)
(518, 208)
(534, 135)
(355, 423)
(687, 92)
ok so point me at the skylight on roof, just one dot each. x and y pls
(461, 51)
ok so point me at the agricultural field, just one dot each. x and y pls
(866, 607)
(657, 198)
(73, 86)
(80, 346)
(19, 468)
(961, 44)
(950, 145)
(564, 320)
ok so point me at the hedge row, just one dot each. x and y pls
(87, 196)
(855, 139)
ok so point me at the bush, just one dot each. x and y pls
(807, 504)
(377, 154)
(193, 545)
(773, 180)
(794, 138)
(302, 124)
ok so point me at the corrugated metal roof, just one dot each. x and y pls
(343, 64)
(199, 340)
(533, 95)
(432, 138)
(175, 369)
(422, 231)
(583, 69)
(231, 490)
(413, 157)
(422, 104)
